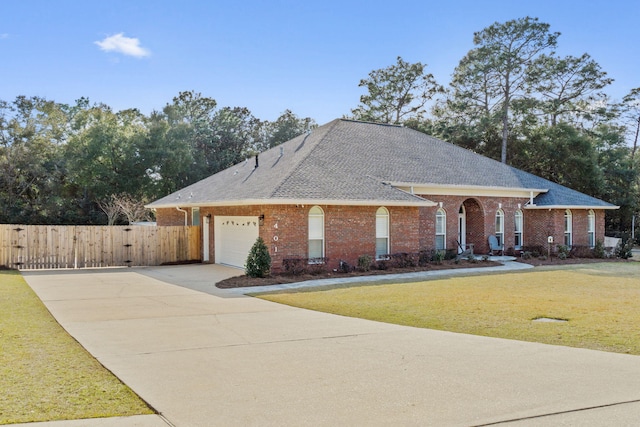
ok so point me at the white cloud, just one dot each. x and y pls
(125, 45)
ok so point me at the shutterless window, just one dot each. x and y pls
(382, 232)
(500, 227)
(195, 216)
(518, 230)
(316, 233)
(591, 228)
(441, 229)
(568, 228)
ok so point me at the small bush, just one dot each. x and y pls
(450, 254)
(295, 266)
(526, 255)
(623, 250)
(535, 250)
(424, 257)
(404, 260)
(581, 252)
(317, 265)
(563, 252)
(364, 262)
(258, 262)
(345, 267)
(598, 250)
(438, 257)
(382, 264)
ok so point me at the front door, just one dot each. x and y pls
(462, 229)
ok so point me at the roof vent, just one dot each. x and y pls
(256, 167)
(281, 151)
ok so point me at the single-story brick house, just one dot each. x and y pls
(351, 188)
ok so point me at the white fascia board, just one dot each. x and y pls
(549, 207)
(248, 202)
(467, 190)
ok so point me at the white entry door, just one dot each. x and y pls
(234, 236)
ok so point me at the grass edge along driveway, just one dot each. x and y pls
(601, 303)
(45, 375)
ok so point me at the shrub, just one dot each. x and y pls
(295, 266)
(535, 250)
(404, 260)
(258, 262)
(438, 257)
(623, 250)
(563, 252)
(317, 265)
(345, 267)
(598, 250)
(382, 264)
(424, 257)
(581, 252)
(364, 262)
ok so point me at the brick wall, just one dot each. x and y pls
(541, 223)
(350, 230)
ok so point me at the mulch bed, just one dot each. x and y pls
(277, 279)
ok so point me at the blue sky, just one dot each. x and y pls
(268, 56)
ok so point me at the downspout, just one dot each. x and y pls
(185, 215)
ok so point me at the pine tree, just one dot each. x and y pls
(258, 262)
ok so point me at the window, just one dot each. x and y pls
(591, 228)
(195, 216)
(568, 228)
(441, 229)
(316, 232)
(518, 230)
(500, 227)
(382, 232)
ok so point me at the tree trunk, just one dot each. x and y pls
(635, 140)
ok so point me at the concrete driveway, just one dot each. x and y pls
(231, 360)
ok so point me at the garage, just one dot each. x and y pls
(234, 236)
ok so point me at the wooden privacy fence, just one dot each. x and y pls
(33, 247)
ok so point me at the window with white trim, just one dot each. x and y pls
(518, 230)
(500, 227)
(316, 233)
(382, 232)
(568, 228)
(441, 229)
(591, 228)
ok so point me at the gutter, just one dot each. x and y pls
(185, 215)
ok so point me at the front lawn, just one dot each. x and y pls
(45, 374)
(601, 303)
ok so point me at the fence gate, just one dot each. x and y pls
(32, 247)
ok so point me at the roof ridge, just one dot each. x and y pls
(293, 169)
(344, 119)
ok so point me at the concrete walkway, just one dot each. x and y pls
(229, 360)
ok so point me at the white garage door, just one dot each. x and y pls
(234, 236)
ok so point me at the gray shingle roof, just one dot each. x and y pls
(350, 162)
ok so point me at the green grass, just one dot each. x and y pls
(45, 374)
(600, 301)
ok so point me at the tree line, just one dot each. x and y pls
(86, 164)
(511, 98)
